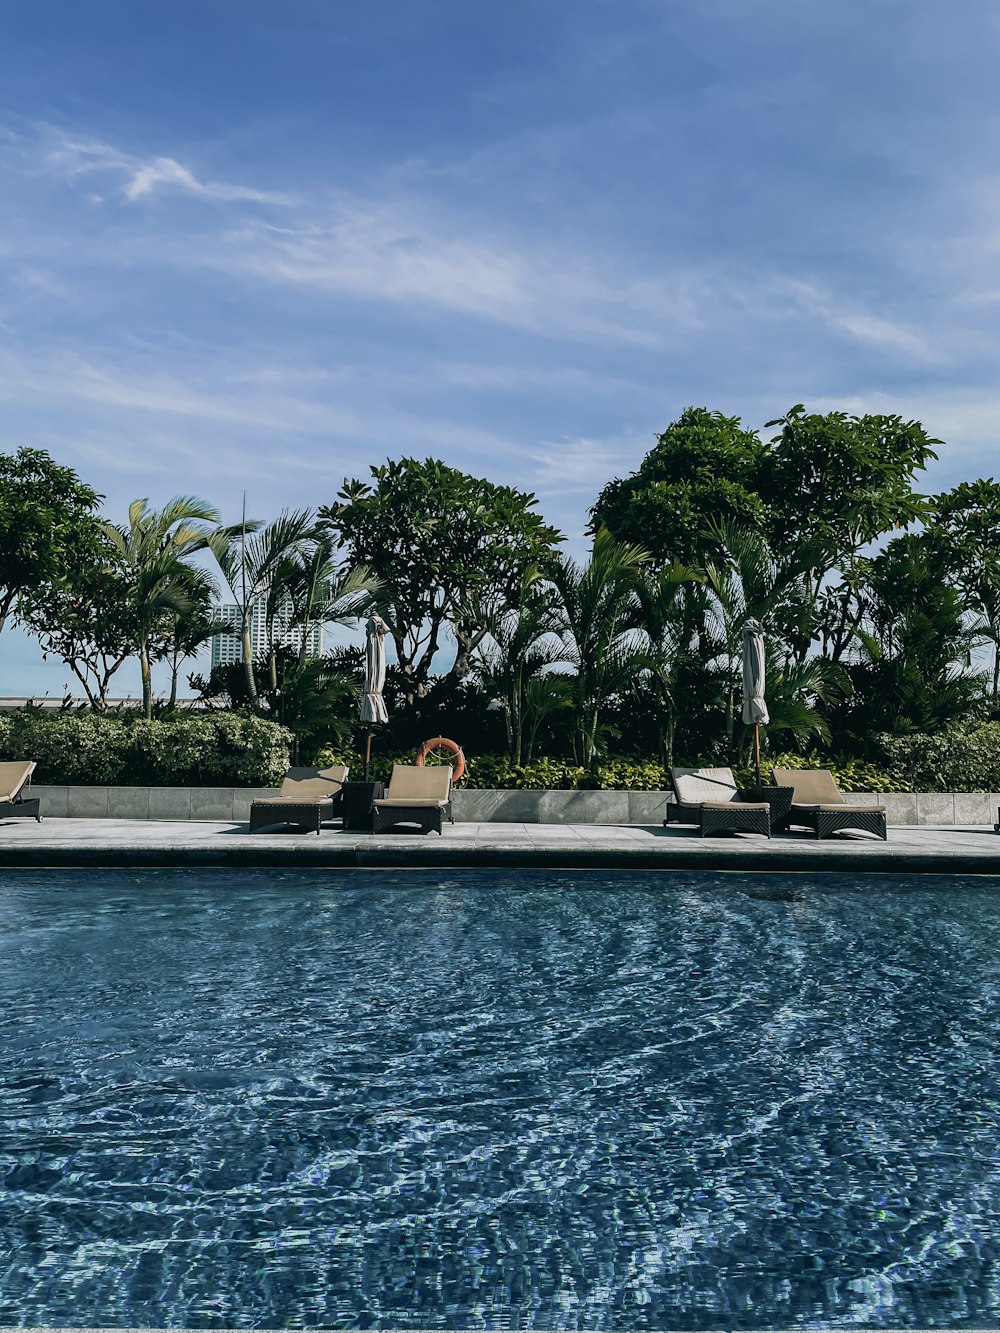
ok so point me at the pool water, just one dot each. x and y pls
(429, 1100)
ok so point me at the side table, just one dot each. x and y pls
(357, 798)
(778, 798)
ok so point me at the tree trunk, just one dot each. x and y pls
(147, 681)
(175, 667)
(248, 663)
(467, 645)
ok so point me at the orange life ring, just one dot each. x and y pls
(443, 743)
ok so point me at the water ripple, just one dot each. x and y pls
(501, 1101)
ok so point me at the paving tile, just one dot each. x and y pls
(136, 841)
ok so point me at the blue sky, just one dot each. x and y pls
(260, 246)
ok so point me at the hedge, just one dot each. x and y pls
(963, 758)
(849, 774)
(124, 750)
(231, 750)
(491, 770)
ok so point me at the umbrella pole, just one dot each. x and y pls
(368, 751)
(756, 750)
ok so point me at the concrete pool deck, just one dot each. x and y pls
(128, 842)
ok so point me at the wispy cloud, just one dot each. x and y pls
(72, 156)
(581, 466)
(406, 253)
(844, 316)
(165, 171)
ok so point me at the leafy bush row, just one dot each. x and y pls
(123, 749)
(849, 774)
(963, 758)
(228, 749)
(497, 771)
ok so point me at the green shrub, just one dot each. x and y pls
(960, 758)
(123, 749)
(850, 774)
(497, 771)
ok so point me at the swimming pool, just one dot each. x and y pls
(429, 1100)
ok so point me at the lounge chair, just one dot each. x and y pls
(307, 797)
(710, 798)
(820, 805)
(416, 795)
(15, 778)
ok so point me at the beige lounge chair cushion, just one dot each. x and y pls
(294, 800)
(810, 786)
(13, 775)
(815, 788)
(304, 785)
(695, 786)
(840, 807)
(408, 802)
(734, 805)
(419, 785)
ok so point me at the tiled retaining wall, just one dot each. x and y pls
(476, 806)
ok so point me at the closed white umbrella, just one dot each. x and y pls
(754, 704)
(373, 707)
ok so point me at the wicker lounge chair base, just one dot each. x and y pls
(308, 815)
(734, 817)
(428, 818)
(825, 822)
(307, 797)
(819, 804)
(30, 808)
(709, 798)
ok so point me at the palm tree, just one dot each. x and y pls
(154, 549)
(599, 613)
(189, 629)
(672, 608)
(749, 582)
(915, 647)
(252, 558)
(519, 649)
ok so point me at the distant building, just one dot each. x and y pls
(227, 647)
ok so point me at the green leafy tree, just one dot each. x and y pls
(965, 532)
(520, 647)
(252, 558)
(599, 610)
(672, 611)
(47, 528)
(750, 581)
(87, 618)
(704, 468)
(915, 647)
(440, 543)
(187, 627)
(310, 587)
(835, 483)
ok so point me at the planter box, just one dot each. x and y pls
(475, 805)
